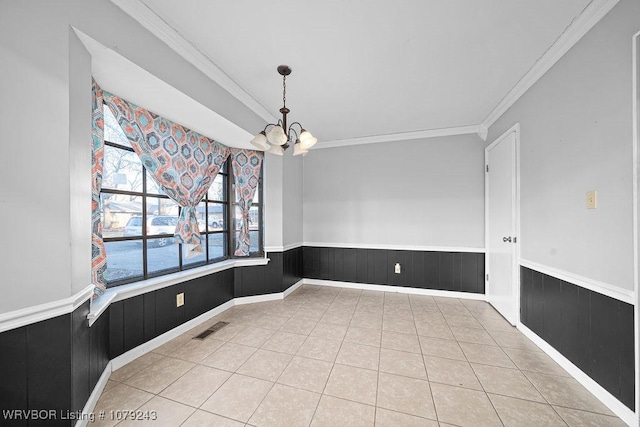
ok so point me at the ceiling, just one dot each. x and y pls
(364, 68)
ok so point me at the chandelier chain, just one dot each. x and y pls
(284, 91)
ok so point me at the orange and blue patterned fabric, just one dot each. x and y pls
(183, 163)
(98, 252)
(246, 171)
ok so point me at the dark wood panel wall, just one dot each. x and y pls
(283, 271)
(593, 331)
(136, 320)
(450, 271)
(52, 365)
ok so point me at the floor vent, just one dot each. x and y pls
(212, 330)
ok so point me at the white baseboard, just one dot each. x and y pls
(267, 297)
(257, 298)
(398, 289)
(611, 402)
(146, 347)
(88, 411)
(292, 288)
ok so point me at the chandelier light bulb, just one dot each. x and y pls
(276, 136)
(308, 141)
(277, 150)
(298, 149)
(260, 141)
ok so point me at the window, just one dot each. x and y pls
(139, 219)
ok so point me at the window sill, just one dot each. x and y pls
(118, 293)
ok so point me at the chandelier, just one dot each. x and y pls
(276, 140)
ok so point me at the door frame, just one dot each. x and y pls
(515, 273)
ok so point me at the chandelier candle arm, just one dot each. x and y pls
(276, 140)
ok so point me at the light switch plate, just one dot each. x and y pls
(591, 199)
(180, 300)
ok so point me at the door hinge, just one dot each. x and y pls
(487, 277)
(515, 240)
(487, 168)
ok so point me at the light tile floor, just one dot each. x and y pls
(328, 356)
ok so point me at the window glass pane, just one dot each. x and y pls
(160, 206)
(217, 245)
(118, 213)
(122, 170)
(217, 191)
(200, 259)
(112, 130)
(256, 197)
(201, 215)
(217, 214)
(124, 260)
(162, 254)
(254, 218)
(237, 217)
(254, 241)
(152, 187)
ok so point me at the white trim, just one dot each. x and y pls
(284, 248)
(40, 312)
(257, 298)
(150, 345)
(94, 397)
(584, 282)
(398, 289)
(617, 407)
(635, 67)
(395, 247)
(589, 17)
(401, 136)
(515, 217)
(122, 292)
(268, 297)
(292, 288)
(162, 30)
(483, 132)
(292, 246)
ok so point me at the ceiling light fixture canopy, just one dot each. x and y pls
(277, 140)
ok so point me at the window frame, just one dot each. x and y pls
(228, 208)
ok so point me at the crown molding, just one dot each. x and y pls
(589, 17)
(162, 30)
(402, 136)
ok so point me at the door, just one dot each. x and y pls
(500, 198)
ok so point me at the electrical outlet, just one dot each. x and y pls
(591, 199)
(397, 268)
(180, 300)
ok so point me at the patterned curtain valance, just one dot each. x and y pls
(183, 163)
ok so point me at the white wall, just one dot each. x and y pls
(292, 200)
(272, 186)
(426, 192)
(576, 135)
(79, 152)
(42, 180)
